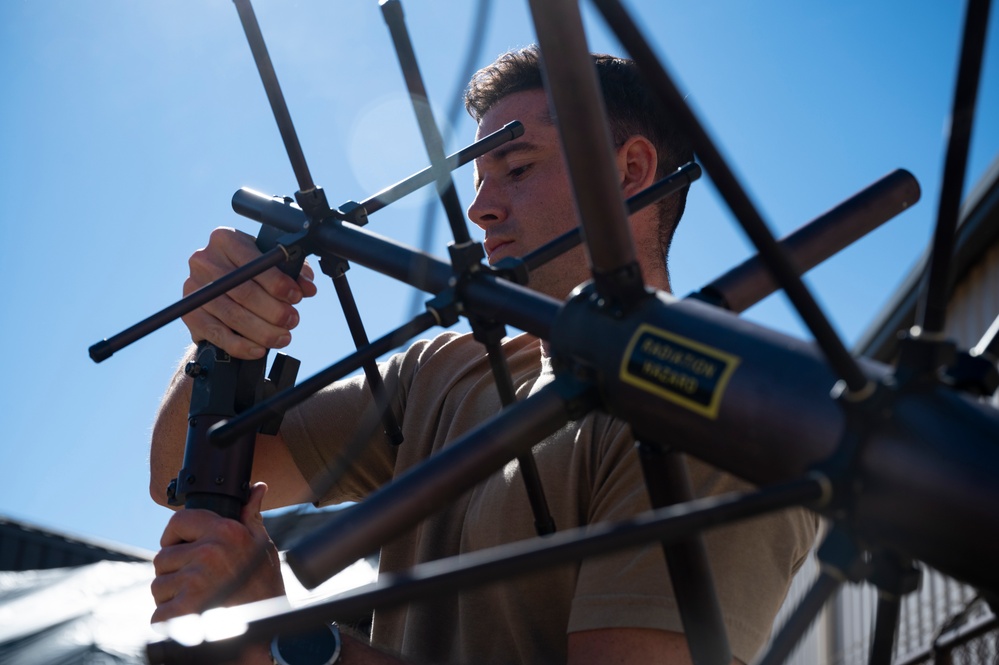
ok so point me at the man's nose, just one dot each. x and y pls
(486, 208)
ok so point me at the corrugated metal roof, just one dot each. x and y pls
(26, 546)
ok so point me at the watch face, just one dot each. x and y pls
(317, 647)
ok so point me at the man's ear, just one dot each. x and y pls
(637, 160)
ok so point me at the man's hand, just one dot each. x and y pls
(254, 316)
(210, 561)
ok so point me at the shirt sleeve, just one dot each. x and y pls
(752, 562)
(336, 436)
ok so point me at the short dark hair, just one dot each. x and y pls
(631, 110)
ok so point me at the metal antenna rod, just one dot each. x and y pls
(934, 304)
(791, 633)
(738, 200)
(668, 483)
(392, 12)
(682, 177)
(507, 132)
(750, 282)
(476, 42)
(105, 349)
(574, 95)
(249, 420)
(463, 251)
(336, 268)
(274, 95)
(989, 343)
(885, 626)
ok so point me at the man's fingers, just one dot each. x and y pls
(164, 587)
(204, 326)
(237, 248)
(174, 597)
(171, 558)
(166, 611)
(189, 525)
(253, 316)
(182, 584)
(269, 296)
(246, 323)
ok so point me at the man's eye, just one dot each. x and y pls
(519, 171)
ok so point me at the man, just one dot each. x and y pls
(617, 608)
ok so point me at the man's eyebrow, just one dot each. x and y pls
(507, 149)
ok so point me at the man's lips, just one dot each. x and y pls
(493, 244)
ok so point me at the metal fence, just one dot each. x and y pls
(942, 623)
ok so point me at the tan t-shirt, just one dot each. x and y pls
(442, 388)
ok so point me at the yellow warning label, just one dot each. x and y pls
(678, 369)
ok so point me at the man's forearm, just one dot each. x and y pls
(166, 451)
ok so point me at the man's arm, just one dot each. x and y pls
(609, 646)
(272, 463)
(246, 321)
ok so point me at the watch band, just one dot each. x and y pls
(320, 646)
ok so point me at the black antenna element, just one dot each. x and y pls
(105, 349)
(274, 95)
(586, 143)
(465, 255)
(250, 420)
(293, 223)
(738, 200)
(584, 131)
(476, 42)
(392, 11)
(657, 191)
(934, 304)
(507, 132)
(750, 282)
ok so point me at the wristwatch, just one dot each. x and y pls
(320, 646)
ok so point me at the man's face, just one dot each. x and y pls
(523, 196)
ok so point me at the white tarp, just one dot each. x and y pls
(99, 614)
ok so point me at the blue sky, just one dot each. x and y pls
(126, 126)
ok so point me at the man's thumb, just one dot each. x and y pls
(251, 516)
